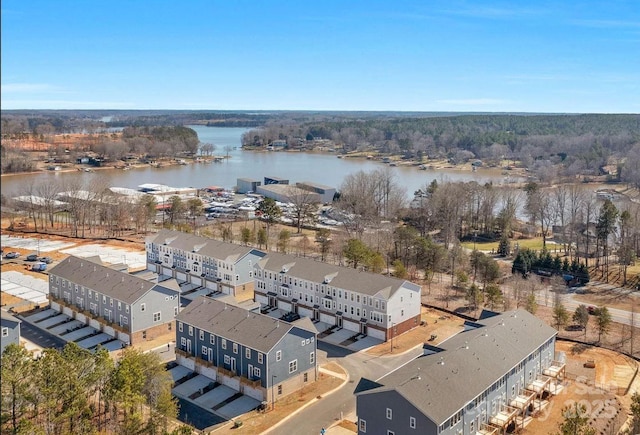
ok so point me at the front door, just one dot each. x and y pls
(363, 328)
(250, 370)
(233, 365)
(316, 314)
(339, 321)
(189, 346)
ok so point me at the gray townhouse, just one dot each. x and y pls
(203, 262)
(257, 355)
(483, 380)
(366, 303)
(10, 330)
(124, 306)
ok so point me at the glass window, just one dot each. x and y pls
(293, 366)
(389, 414)
(279, 355)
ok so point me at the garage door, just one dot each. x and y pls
(375, 333)
(109, 330)
(285, 306)
(167, 271)
(196, 280)
(305, 312)
(181, 276)
(327, 318)
(351, 326)
(255, 393)
(264, 300)
(230, 382)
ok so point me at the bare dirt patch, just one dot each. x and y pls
(436, 322)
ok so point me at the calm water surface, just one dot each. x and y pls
(320, 168)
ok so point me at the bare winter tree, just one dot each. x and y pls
(305, 204)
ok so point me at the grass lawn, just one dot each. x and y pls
(535, 244)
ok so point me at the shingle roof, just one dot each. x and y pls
(118, 285)
(229, 252)
(443, 383)
(5, 315)
(254, 330)
(341, 277)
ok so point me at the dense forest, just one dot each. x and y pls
(549, 144)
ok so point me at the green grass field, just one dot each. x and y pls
(535, 244)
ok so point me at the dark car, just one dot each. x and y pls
(12, 255)
(592, 310)
(47, 260)
(32, 257)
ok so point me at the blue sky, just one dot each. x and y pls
(429, 55)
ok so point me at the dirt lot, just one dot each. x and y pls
(598, 389)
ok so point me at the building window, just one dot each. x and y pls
(224, 343)
(190, 330)
(142, 306)
(247, 353)
(293, 366)
(389, 414)
(235, 347)
(201, 334)
(256, 372)
(183, 341)
(412, 422)
(227, 359)
(156, 316)
(212, 339)
(126, 309)
(5, 332)
(279, 390)
(305, 377)
(472, 426)
(312, 358)
(390, 432)
(363, 426)
(260, 356)
(278, 355)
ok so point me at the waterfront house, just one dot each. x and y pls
(247, 351)
(487, 379)
(121, 305)
(203, 262)
(366, 303)
(10, 330)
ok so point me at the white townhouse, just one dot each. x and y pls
(203, 263)
(367, 303)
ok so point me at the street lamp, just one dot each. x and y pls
(273, 397)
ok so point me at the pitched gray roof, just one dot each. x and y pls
(443, 383)
(254, 330)
(340, 277)
(229, 252)
(118, 285)
(5, 315)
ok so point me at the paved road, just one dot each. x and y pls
(329, 409)
(39, 336)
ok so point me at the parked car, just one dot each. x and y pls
(47, 260)
(12, 255)
(592, 310)
(32, 257)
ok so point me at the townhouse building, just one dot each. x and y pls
(484, 380)
(203, 262)
(250, 352)
(366, 303)
(10, 330)
(124, 306)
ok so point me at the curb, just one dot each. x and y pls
(309, 403)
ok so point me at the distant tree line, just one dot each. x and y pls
(579, 144)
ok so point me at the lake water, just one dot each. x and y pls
(324, 168)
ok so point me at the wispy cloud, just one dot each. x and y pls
(492, 12)
(29, 88)
(472, 101)
(607, 24)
